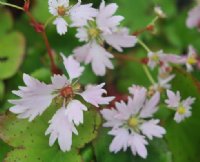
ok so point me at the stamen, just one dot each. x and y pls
(61, 10)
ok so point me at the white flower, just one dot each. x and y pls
(96, 55)
(130, 122)
(104, 29)
(106, 21)
(160, 58)
(193, 19)
(191, 58)
(158, 10)
(162, 84)
(79, 14)
(36, 97)
(182, 108)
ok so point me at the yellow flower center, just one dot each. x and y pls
(181, 110)
(133, 122)
(192, 60)
(93, 32)
(155, 57)
(61, 10)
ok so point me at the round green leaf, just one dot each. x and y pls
(30, 143)
(12, 49)
(6, 18)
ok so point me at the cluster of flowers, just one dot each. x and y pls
(95, 27)
(132, 123)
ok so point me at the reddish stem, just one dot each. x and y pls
(39, 28)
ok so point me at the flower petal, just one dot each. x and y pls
(34, 92)
(61, 128)
(74, 111)
(61, 25)
(93, 95)
(150, 106)
(73, 67)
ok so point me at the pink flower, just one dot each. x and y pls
(130, 122)
(193, 19)
(36, 97)
(182, 108)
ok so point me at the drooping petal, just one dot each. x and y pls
(152, 129)
(61, 128)
(74, 111)
(94, 95)
(73, 67)
(100, 59)
(36, 97)
(120, 39)
(137, 143)
(81, 53)
(120, 140)
(61, 25)
(96, 55)
(150, 106)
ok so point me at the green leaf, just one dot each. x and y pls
(4, 149)
(2, 88)
(6, 18)
(135, 13)
(30, 143)
(42, 74)
(12, 49)
(183, 138)
(157, 151)
(40, 10)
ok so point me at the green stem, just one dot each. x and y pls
(146, 70)
(154, 20)
(11, 5)
(143, 45)
(149, 76)
(48, 21)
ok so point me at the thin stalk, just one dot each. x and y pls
(148, 74)
(11, 5)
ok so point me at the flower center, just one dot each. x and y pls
(93, 33)
(66, 92)
(133, 122)
(181, 110)
(155, 57)
(61, 10)
(192, 60)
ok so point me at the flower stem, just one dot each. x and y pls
(143, 45)
(11, 5)
(148, 74)
(146, 70)
(154, 20)
(48, 21)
